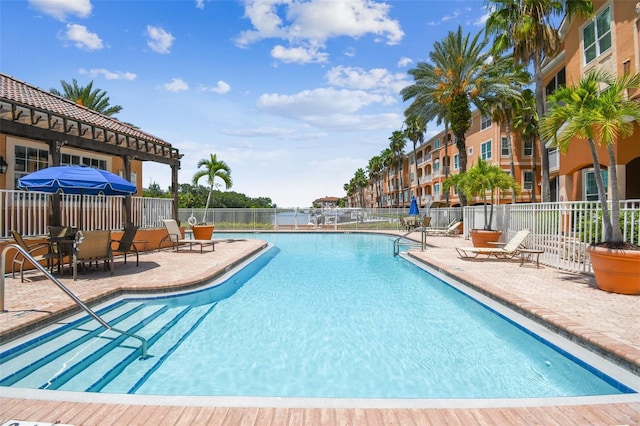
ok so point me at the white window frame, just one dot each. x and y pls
(588, 196)
(485, 122)
(483, 152)
(504, 144)
(600, 35)
(527, 184)
(456, 161)
(527, 146)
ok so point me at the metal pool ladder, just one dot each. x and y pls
(69, 293)
(403, 241)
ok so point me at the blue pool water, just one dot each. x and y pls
(320, 315)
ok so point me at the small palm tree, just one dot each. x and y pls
(94, 99)
(213, 168)
(480, 179)
(599, 111)
(397, 144)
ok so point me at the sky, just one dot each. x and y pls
(294, 96)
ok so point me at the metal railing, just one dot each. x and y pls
(563, 230)
(143, 341)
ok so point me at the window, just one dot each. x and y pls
(436, 190)
(470, 150)
(504, 147)
(28, 159)
(590, 186)
(528, 148)
(527, 180)
(485, 122)
(558, 80)
(456, 162)
(75, 160)
(436, 168)
(596, 36)
(436, 144)
(485, 150)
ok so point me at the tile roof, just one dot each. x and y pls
(24, 94)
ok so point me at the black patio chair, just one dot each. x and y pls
(126, 243)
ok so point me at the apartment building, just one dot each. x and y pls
(610, 40)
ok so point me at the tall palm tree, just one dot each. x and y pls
(387, 163)
(213, 168)
(374, 171)
(525, 121)
(414, 131)
(531, 29)
(360, 181)
(397, 144)
(462, 72)
(94, 99)
(601, 117)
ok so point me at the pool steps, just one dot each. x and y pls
(102, 350)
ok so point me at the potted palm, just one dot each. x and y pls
(212, 168)
(479, 180)
(599, 111)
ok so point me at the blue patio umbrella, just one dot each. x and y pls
(413, 207)
(76, 180)
(81, 180)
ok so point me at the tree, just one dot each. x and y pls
(525, 121)
(414, 131)
(599, 111)
(360, 182)
(374, 171)
(213, 168)
(462, 72)
(531, 29)
(94, 99)
(396, 146)
(480, 179)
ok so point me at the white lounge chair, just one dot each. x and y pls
(509, 250)
(452, 229)
(175, 237)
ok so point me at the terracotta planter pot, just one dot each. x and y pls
(616, 271)
(481, 237)
(203, 232)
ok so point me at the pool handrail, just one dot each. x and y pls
(69, 293)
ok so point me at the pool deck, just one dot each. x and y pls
(569, 303)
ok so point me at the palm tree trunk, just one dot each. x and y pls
(462, 155)
(206, 207)
(602, 194)
(544, 152)
(616, 232)
(507, 129)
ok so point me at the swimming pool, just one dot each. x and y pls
(328, 315)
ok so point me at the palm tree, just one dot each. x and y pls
(481, 178)
(525, 121)
(601, 117)
(213, 168)
(414, 131)
(397, 144)
(360, 182)
(94, 99)
(530, 29)
(387, 163)
(374, 171)
(462, 72)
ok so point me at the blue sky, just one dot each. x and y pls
(293, 95)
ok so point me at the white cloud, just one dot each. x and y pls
(59, 9)
(176, 85)
(109, 75)
(298, 55)
(377, 79)
(160, 41)
(200, 4)
(313, 22)
(82, 38)
(221, 87)
(405, 62)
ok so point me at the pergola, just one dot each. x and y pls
(29, 112)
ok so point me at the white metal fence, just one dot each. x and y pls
(562, 230)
